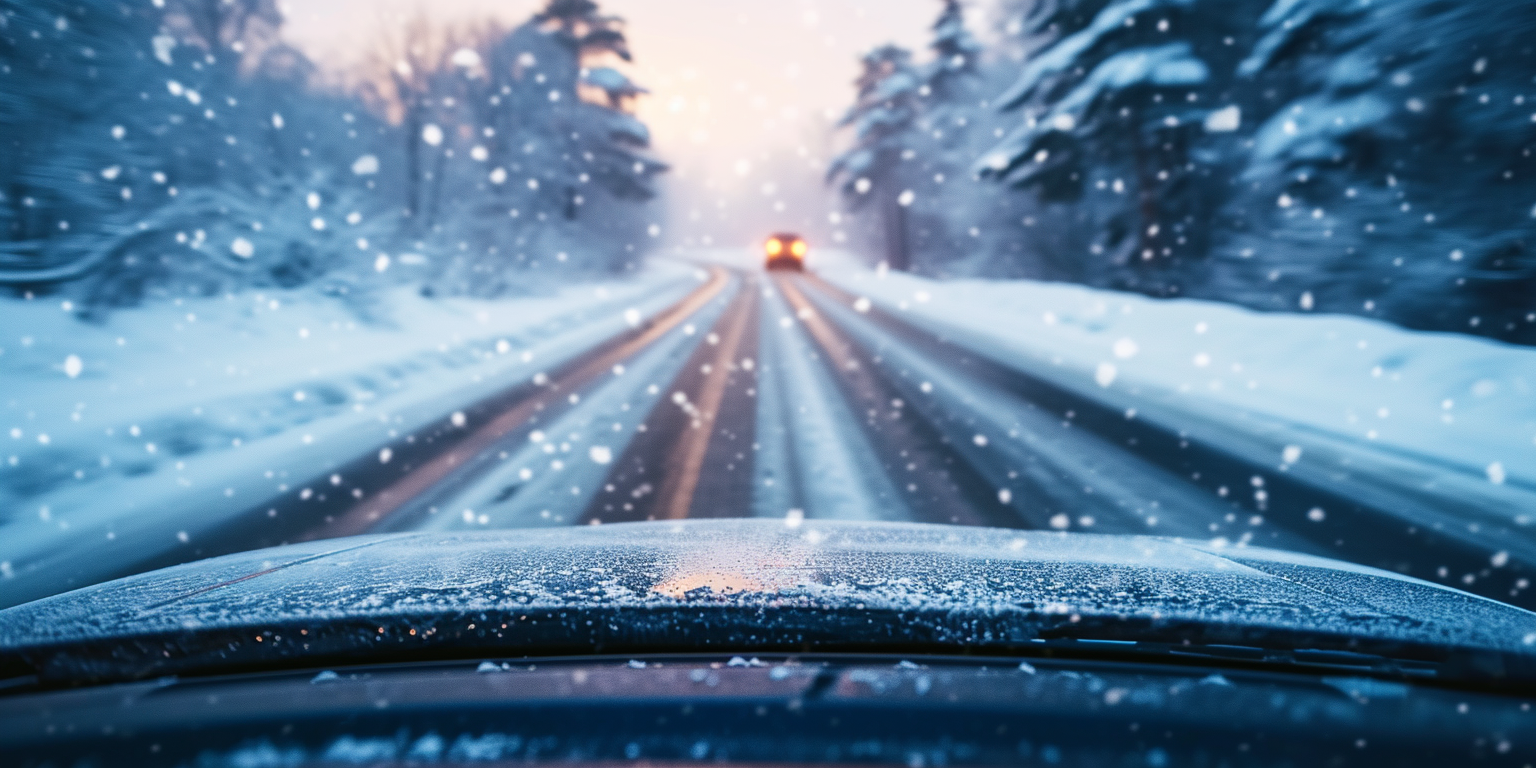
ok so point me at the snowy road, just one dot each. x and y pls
(785, 396)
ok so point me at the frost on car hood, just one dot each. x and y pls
(750, 585)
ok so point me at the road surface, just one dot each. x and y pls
(779, 395)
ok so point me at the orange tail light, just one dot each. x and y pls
(774, 247)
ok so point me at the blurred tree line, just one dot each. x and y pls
(1360, 156)
(180, 147)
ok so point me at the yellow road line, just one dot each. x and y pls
(363, 517)
(676, 495)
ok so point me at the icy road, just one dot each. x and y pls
(795, 396)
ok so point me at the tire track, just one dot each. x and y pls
(456, 461)
(938, 483)
(660, 474)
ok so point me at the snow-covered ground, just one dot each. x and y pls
(116, 428)
(1460, 408)
(143, 429)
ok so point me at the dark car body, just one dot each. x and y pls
(786, 251)
(758, 641)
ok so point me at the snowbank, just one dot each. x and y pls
(118, 428)
(1452, 401)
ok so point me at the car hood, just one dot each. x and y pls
(761, 585)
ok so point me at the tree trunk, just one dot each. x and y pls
(412, 160)
(438, 172)
(1146, 200)
(898, 250)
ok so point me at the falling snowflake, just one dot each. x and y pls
(1105, 374)
(367, 165)
(1496, 474)
(466, 58)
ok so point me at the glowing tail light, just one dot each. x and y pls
(774, 247)
(798, 249)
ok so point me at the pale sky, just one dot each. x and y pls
(737, 86)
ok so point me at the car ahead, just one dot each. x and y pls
(760, 641)
(786, 251)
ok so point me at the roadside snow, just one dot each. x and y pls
(1455, 401)
(116, 429)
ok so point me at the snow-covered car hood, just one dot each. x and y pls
(759, 585)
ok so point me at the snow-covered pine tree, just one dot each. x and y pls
(1391, 171)
(1333, 154)
(1113, 106)
(69, 169)
(172, 150)
(604, 164)
(946, 204)
(180, 148)
(956, 55)
(1360, 157)
(549, 164)
(873, 174)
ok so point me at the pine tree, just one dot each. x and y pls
(559, 143)
(871, 173)
(938, 176)
(1113, 105)
(163, 163)
(956, 54)
(1285, 154)
(67, 168)
(1398, 147)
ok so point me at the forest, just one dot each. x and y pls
(181, 147)
(1370, 157)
